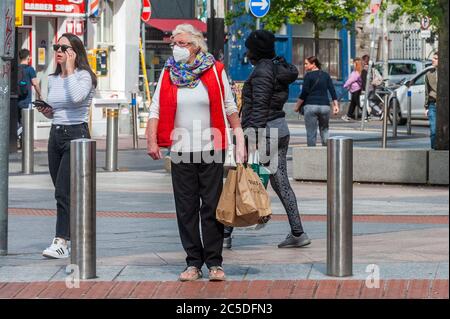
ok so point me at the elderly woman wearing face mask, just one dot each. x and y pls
(187, 116)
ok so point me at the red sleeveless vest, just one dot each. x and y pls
(168, 108)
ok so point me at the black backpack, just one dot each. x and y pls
(284, 72)
(22, 84)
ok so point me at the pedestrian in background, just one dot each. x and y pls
(431, 82)
(70, 91)
(354, 85)
(186, 115)
(26, 79)
(315, 101)
(264, 94)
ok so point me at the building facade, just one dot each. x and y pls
(295, 43)
(111, 38)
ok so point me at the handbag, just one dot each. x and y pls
(230, 160)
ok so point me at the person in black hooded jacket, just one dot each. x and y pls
(263, 97)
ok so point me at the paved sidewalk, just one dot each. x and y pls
(401, 233)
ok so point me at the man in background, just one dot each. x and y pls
(26, 78)
(430, 98)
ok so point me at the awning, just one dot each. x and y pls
(168, 25)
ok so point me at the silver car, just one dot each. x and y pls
(401, 70)
(416, 85)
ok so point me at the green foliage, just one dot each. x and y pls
(322, 13)
(416, 9)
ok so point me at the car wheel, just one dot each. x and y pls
(400, 120)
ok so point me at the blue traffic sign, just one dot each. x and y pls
(259, 8)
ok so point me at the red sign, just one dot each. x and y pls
(55, 6)
(146, 10)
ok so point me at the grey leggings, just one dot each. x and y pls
(280, 184)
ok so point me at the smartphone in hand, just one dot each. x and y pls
(40, 103)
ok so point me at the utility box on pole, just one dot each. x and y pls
(7, 49)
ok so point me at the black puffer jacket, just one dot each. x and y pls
(266, 91)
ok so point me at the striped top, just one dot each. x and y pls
(70, 97)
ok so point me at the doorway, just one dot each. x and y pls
(46, 35)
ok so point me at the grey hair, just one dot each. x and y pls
(196, 36)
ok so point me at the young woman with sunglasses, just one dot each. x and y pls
(70, 92)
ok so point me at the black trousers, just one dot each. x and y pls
(197, 188)
(59, 166)
(354, 103)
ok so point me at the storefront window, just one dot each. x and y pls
(328, 53)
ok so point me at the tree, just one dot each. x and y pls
(322, 13)
(437, 10)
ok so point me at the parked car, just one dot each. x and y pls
(401, 70)
(417, 87)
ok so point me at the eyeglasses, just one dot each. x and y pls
(181, 44)
(63, 47)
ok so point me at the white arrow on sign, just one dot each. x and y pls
(263, 4)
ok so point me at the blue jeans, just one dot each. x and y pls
(317, 115)
(432, 118)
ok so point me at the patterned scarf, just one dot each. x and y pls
(188, 75)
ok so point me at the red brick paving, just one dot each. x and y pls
(439, 289)
(373, 293)
(32, 290)
(99, 290)
(281, 289)
(145, 290)
(350, 289)
(327, 289)
(278, 289)
(122, 289)
(396, 289)
(10, 290)
(191, 290)
(419, 289)
(304, 289)
(167, 290)
(236, 289)
(259, 289)
(217, 290)
(309, 218)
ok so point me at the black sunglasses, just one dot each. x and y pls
(62, 46)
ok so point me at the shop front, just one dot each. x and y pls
(110, 36)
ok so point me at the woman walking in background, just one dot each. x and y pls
(314, 99)
(354, 85)
(70, 92)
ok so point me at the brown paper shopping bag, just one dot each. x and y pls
(245, 204)
(226, 209)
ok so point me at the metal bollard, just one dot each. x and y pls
(395, 115)
(408, 119)
(134, 115)
(83, 206)
(385, 122)
(112, 136)
(340, 207)
(28, 141)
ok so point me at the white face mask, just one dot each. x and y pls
(181, 54)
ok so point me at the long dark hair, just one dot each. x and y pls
(314, 60)
(81, 61)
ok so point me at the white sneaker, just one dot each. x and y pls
(57, 250)
(346, 118)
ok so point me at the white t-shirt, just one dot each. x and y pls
(192, 120)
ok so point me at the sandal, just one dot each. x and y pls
(191, 273)
(216, 273)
